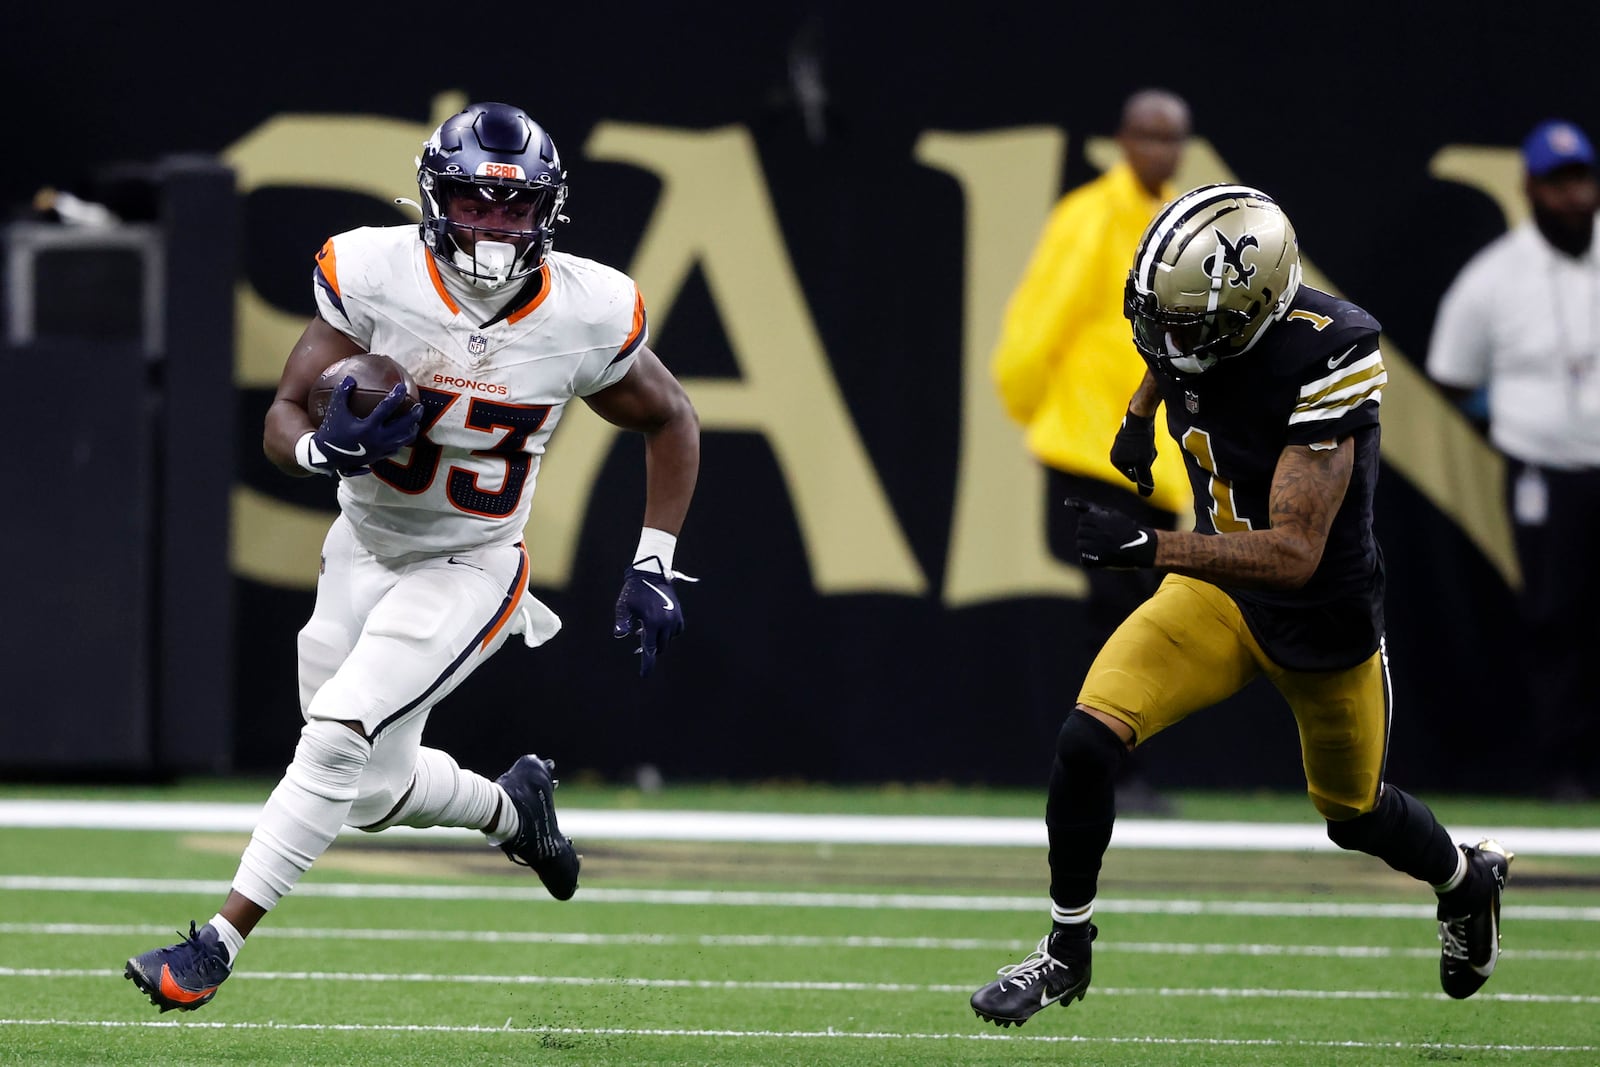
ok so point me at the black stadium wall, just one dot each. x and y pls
(825, 206)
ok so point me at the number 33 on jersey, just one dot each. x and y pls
(492, 392)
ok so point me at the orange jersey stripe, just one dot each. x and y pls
(544, 291)
(519, 587)
(438, 284)
(638, 321)
(327, 263)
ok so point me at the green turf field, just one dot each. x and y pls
(404, 951)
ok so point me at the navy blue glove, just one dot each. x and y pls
(648, 606)
(1133, 452)
(1109, 538)
(349, 444)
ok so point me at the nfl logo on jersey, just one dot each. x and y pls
(477, 344)
(1191, 400)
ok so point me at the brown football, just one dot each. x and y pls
(375, 375)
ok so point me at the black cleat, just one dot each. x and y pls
(539, 843)
(1469, 920)
(184, 976)
(1055, 972)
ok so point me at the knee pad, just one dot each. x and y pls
(1087, 748)
(303, 815)
(389, 777)
(329, 760)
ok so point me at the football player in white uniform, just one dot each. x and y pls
(424, 574)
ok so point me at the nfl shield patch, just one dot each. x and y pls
(477, 344)
(1191, 401)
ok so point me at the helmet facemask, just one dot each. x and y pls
(491, 254)
(492, 189)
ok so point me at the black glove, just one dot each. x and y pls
(1134, 451)
(648, 606)
(1109, 538)
(349, 444)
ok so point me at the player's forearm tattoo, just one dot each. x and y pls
(1307, 489)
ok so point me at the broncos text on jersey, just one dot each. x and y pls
(1316, 375)
(492, 392)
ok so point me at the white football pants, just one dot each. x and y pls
(386, 641)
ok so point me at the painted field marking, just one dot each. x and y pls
(830, 1034)
(430, 977)
(739, 898)
(600, 825)
(945, 944)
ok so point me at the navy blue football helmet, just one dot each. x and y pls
(500, 163)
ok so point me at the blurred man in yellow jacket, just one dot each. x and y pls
(1065, 365)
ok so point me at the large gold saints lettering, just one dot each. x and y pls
(998, 545)
(715, 213)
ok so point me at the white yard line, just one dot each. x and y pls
(728, 984)
(830, 1034)
(599, 825)
(746, 898)
(946, 944)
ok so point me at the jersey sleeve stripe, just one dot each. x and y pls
(1341, 392)
(637, 332)
(1358, 370)
(326, 275)
(1330, 413)
(1354, 386)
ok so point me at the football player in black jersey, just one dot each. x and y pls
(1272, 391)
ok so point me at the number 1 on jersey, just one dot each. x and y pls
(1224, 516)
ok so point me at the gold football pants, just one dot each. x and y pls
(1187, 648)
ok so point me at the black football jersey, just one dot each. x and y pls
(1315, 375)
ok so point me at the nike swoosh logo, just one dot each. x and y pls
(174, 992)
(1045, 999)
(464, 563)
(1334, 361)
(1494, 952)
(1144, 535)
(361, 450)
(665, 599)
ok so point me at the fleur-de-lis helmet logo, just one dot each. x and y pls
(1229, 256)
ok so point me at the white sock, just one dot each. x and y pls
(1455, 880)
(304, 813)
(1071, 916)
(231, 938)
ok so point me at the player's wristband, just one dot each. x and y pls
(309, 456)
(655, 550)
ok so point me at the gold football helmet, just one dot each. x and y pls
(1215, 267)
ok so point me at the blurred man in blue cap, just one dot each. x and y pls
(1523, 319)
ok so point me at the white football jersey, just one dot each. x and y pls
(491, 393)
